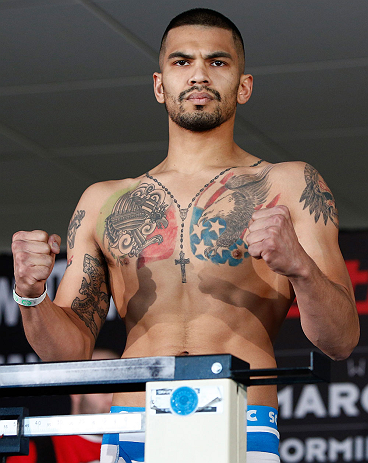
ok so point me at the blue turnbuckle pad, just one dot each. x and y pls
(184, 401)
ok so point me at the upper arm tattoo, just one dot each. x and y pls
(318, 197)
(95, 291)
(73, 225)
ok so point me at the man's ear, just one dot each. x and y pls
(158, 87)
(245, 88)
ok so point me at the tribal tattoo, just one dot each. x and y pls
(95, 291)
(73, 225)
(318, 197)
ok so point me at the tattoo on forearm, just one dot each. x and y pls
(73, 225)
(95, 292)
(318, 197)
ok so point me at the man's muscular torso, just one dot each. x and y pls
(178, 267)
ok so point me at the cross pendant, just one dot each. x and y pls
(182, 261)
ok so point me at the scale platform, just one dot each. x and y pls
(215, 385)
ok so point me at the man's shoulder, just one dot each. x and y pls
(294, 175)
(291, 176)
(305, 193)
(97, 193)
(289, 168)
(289, 181)
(284, 180)
(277, 170)
(110, 186)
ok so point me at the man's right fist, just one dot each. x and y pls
(34, 257)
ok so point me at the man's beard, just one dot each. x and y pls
(199, 120)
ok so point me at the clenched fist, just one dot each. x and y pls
(34, 257)
(272, 238)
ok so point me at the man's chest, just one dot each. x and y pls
(148, 223)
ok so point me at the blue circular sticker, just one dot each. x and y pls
(184, 401)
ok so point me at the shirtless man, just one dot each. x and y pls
(205, 253)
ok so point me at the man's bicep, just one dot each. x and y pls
(320, 241)
(315, 218)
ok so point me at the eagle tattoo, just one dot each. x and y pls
(236, 206)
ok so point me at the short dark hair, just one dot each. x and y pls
(208, 18)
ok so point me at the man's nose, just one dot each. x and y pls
(199, 74)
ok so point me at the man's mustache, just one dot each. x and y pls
(215, 93)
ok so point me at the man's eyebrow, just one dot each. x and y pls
(219, 54)
(215, 54)
(180, 54)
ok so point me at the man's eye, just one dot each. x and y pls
(218, 63)
(181, 62)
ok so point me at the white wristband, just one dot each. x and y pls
(29, 301)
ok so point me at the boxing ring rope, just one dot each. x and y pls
(185, 396)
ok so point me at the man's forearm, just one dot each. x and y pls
(327, 312)
(54, 334)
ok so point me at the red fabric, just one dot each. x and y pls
(68, 449)
(30, 458)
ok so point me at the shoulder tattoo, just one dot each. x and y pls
(94, 290)
(73, 225)
(318, 197)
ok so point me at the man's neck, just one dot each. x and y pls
(193, 151)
